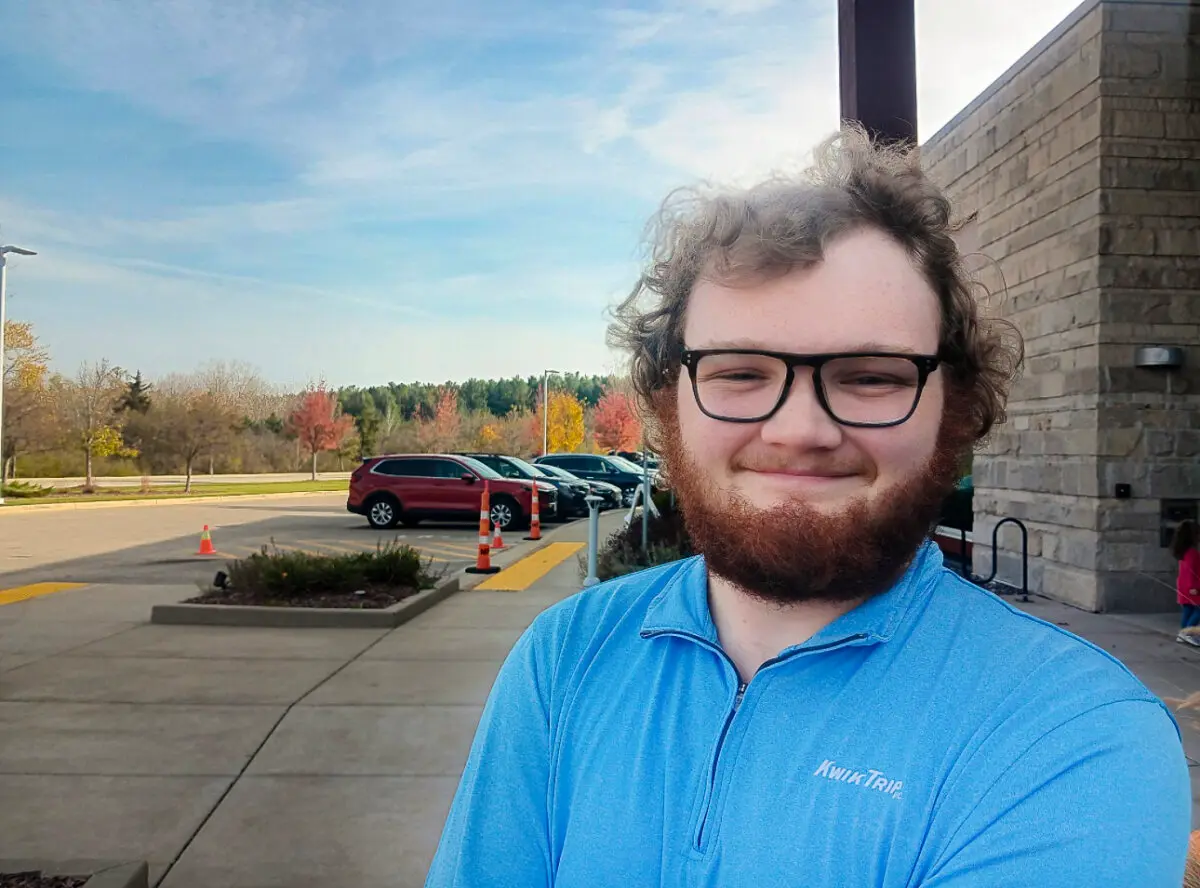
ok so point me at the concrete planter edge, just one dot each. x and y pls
(304, 617)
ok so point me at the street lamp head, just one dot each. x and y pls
(20, 251)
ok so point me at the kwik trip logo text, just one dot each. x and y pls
(875, 780)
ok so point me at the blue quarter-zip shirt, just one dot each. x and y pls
(933, 737)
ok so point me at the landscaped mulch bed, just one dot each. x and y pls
(37, 880)
(371, 599)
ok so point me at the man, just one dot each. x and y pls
(814, 700)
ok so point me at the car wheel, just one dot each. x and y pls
(383, 512)
(505, 512)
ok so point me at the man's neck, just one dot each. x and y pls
(752, 631)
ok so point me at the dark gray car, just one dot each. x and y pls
(591, 467)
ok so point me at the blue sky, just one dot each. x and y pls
(374, 190)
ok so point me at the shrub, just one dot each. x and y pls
(622, 552)
(289, 574)
(25, 490)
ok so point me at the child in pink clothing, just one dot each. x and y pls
(1187, 585)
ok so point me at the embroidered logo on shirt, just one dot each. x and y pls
(875, 780)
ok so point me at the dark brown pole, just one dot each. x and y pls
(878, 57)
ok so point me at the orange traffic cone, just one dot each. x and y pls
(206, 546)
(497, 539)
(483, 562)
(535, 519)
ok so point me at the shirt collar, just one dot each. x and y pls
(681, 608)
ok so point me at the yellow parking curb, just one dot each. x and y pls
(522, 574)
(34, 590)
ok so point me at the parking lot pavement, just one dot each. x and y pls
(158, 545)
(249, 757)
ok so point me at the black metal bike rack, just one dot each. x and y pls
(966, 562)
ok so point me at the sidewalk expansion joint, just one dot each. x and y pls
(254, 755)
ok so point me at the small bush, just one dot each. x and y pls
(25, 490)
(289, 574)
(622, 552)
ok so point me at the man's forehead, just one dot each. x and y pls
(863, 293)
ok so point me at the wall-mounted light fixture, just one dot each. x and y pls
(1159, 357)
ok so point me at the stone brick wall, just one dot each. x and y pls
(1083, 168)
(1149, 420)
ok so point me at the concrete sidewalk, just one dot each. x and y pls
(246, 757)
(253, 758)
(1146, 644)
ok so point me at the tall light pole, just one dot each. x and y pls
(4, 251)
(546, 410)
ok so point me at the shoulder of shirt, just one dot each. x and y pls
(600, 609)
(1027, 647)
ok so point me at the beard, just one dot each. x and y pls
(792, 552)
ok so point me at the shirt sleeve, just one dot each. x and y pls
(1102, 801)
(496, 832)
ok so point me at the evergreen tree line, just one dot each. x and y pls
(499, 397)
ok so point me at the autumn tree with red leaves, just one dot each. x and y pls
(616, 422)
(318, 423)
(443, 431)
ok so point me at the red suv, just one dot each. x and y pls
(406, 488)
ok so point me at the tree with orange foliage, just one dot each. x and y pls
(318, 423)
(616, 423)
(442, 432)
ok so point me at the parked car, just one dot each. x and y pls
(610, 493)
(571, 491)
(589, 467)
(637, 458)
(410, 488)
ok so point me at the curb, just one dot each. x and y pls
(304, 617)
(522, 550)
(175, 500)
(100, 874)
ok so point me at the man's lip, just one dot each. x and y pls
(802, 474)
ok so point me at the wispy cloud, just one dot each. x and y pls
(480, 168)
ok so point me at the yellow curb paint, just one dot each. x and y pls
(34, 590)
(524, 573)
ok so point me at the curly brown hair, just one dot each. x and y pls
(785, 223)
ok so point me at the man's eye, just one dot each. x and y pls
(873, 381)
(738, 376)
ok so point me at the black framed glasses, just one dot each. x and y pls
(859, 389)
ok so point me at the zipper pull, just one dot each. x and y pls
(741, 692)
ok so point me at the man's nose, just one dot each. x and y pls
(801, 422)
